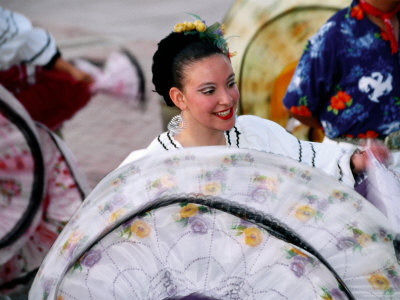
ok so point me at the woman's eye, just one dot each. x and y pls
(232, 83)
(208, 91)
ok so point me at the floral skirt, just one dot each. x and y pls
(225, 223)
(40, 189)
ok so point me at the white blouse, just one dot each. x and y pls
(252, 132)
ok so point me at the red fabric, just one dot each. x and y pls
(369, 9)
(53, 98)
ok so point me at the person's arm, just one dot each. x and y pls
(359, 160)
(62, 65)
(309, 121)
(343, 163)
(314, 79)
(265, 135)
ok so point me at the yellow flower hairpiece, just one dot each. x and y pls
(213, 33)
(198, 25)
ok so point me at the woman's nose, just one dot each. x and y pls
(226, 98)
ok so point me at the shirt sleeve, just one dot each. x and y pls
(20, 43)
(133, 156)
(154, 147)
(312, 80)
(268, 136)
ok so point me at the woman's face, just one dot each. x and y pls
(210, 94)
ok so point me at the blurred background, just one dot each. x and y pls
(268, 35)
(104, 132)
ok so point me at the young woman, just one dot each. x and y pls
(192, 70)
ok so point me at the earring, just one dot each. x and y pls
(176, 125)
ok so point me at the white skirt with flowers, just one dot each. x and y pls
(225, 223)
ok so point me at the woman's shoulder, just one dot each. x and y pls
(341, 15)
(335, 27)
(252, 122)
(133, 156)
(254, 130)
(158, 144)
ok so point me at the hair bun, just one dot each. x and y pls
(174, 53)
(163, 59)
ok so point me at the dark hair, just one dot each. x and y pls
(174, 53)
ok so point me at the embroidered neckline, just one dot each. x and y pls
(171, 140)
(227, 137)
(162, 144)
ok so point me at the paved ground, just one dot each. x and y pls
(106, 130)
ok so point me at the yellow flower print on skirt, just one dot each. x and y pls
(304, 213)
(116, 214)
(212, 188)
(140, 228)
(73, 240)
(252, 236)
(189, 210)
(379, 282)
(364, 240)
(163, 184)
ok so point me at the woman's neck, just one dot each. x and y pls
(198, 137)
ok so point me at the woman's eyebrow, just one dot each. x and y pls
(206, 84)
(211, 84)
(232, 76)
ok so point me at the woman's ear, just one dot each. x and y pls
(178, 98)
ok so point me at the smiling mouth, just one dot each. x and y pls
(226, 114)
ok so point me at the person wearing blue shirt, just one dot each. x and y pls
(347, 80)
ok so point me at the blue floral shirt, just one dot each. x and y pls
(348, 78)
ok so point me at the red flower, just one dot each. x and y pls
(384, 35)
(357, 12)
(301, 110)
(339, 100)
(20, 163)
(370, 134)
(10, 188)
